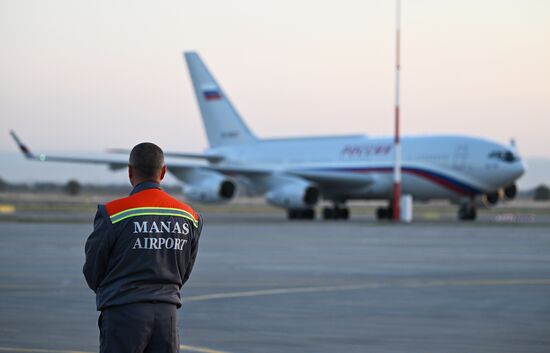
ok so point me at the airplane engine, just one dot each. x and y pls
(297, 195)
(490, 199)
(212, 187)
(510, 191)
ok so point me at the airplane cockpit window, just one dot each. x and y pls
(505, 156)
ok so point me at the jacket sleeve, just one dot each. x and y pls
(194, 251)
(98, 249)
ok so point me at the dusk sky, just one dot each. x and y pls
(88, 75)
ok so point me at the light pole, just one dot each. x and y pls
(397, 142)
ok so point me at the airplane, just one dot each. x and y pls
(296, 174)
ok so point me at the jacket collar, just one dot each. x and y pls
(144, 186)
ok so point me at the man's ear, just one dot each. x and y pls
(163, 172)
(131, 174)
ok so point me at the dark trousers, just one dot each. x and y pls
(139, 327)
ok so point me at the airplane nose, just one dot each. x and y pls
(516, 170)
(521, 168)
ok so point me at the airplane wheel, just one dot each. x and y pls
(473, 214)
(463, 213)
(309, 214)
(383, 213)
(335, 213)
(328, 213)
(467, 213)
(344, 213)
(291, 214)
(301, 214)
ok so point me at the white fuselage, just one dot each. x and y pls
(433, 167)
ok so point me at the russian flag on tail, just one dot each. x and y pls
(211, 94)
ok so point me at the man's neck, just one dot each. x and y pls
(141, 181)
(144, 185)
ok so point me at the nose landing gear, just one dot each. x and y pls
(385, 213)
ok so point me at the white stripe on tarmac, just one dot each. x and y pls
(411, 283)
(184, 347)
(371, 285)
(37, 350)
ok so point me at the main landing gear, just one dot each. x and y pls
(329, 213)
(336, 212)
(467, 212)
(306, 214)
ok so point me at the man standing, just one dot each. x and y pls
(138, 257)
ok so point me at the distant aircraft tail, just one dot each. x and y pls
(223, 124)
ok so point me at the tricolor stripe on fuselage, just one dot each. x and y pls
(446, 181)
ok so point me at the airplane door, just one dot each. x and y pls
(460, 157)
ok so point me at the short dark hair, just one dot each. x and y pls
(147, 159)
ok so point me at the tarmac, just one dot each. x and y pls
(263, 284)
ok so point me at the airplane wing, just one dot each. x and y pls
(324, 177)
(248, 171)
(114, 162)
(321, 177)
(214, 158)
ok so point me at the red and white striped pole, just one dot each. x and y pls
(397, 142)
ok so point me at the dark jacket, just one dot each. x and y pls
(142, 249)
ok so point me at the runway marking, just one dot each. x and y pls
(371, 285)
(410, 283)
(36, 350)
(183, 347)
(34, 287)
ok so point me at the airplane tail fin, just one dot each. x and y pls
(222, 122)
